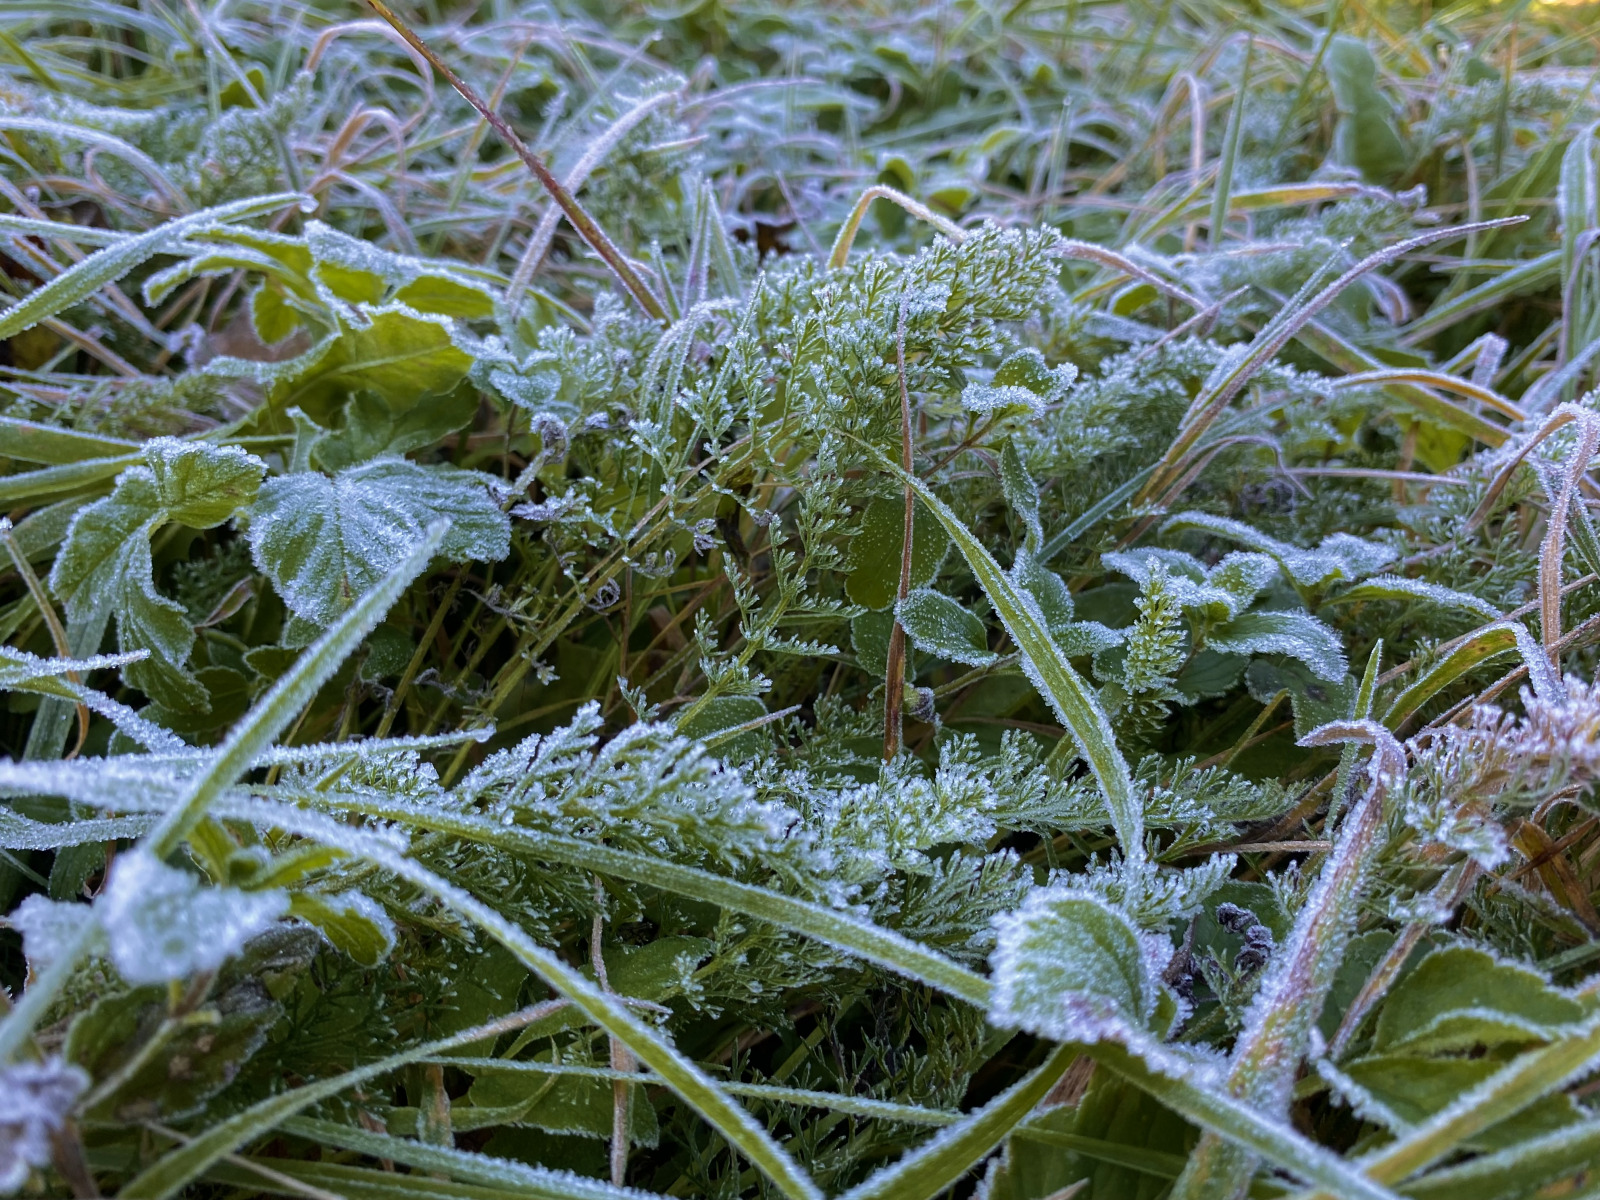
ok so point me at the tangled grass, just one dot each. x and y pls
(800, 600)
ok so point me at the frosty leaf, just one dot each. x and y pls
(1022, 384)
(939, 625)
(1069, 966)
(1088, 638)
(875, 551)
(1243, 575)
(162, 925)
(106, 562)
(397, 354)
(1401, 1091)
(1395, 587)
(1021, 492)
(869, 638)
(48, 927)
(1047, 589)
(1208, 674)
(352, 922)
(1338, 557)
(324, 542)
(1461, 996)
(1217, 593)
(1314, 701)
(199, 485)
(36, 1098)
(1295, 634)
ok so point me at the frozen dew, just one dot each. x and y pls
(161, 924)
(49, 929)
(35, 1102)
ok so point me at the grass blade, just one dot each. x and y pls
(83, 279)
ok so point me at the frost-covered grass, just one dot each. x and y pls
(800, 600)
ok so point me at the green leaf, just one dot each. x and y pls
(1050, 672)
(869, 638)
(875, 552)
(84, 279)
(1068, 966)
(167, 1068)
(1365, 137)
(323, 542)
(106, 563)
(351, 922)
(1460, 997)
(202, 486)
(1296, 634)
(394, 353)
(938, 625)
(1400, 1091)
(1315, 701)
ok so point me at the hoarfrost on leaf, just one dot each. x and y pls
(36, 1098)
(1296, 634)
(937, 624)
(161, 924)
(1069, 966)
(325, 542)
(49, 928)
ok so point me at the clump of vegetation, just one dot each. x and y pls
(800, 600)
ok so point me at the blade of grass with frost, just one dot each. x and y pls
(676, 1070)
(1099, 511)
(1473, 650)
(274, 712)
(859, 1106)
(1539, 1161)
(839, 254)
(1323, 340)
(81, 281)
(1509, 1091)
(1181, 1088)
(1230, 149)
(1524, 277)
(258, 729)
(334, 1180)
(1277, 1030)
(1236, 370)
(517, 1178)
(1063, 688)
(925, 1172)
(842, 930)
(170, 1173)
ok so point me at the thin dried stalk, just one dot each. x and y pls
(586, 225)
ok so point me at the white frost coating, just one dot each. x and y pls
(1069, 966)
(35, 1101)
(1394, 587)
(1296, 634)
(939, 625)
(324, 542)
(1217, 593)
(48, 927)
(162, 925)
(1338, 557)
